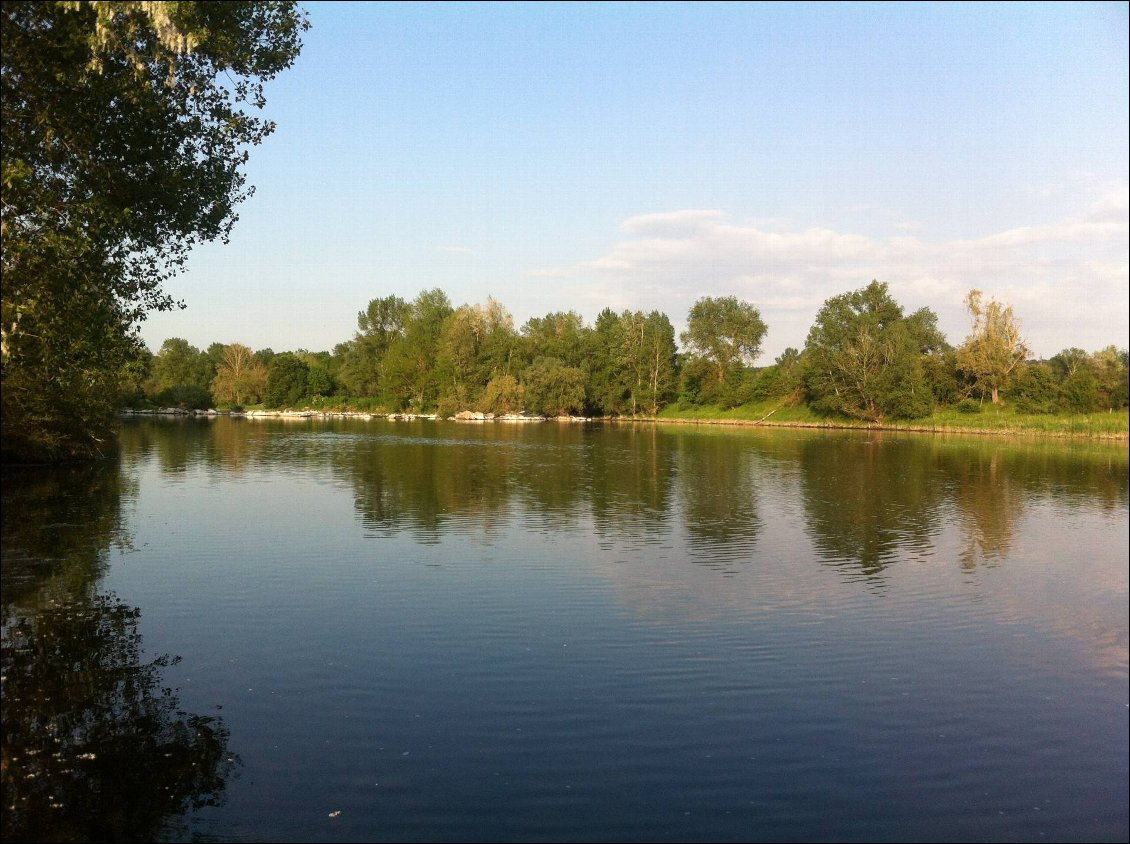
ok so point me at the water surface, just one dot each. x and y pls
(308, 630)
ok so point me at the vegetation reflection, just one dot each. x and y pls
(865, 500)
(95, 747)
(872, 499)
(632, 482)
(869, 499)
(718, 494)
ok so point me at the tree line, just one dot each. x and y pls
(865, 358)
(125, 129)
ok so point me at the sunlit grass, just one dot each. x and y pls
(990, 420)
(772, 410)
(1002, 419)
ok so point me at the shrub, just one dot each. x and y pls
(1080, 392)
(503, 394)
(1036, 390)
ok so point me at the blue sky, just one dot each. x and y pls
(578, 156)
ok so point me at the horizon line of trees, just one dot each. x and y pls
(864, 358)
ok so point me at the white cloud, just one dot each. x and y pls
(1113, 205)
(1067, 279)
(671, 224)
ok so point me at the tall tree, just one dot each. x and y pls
(788, 374)
(124, 129)
(1111, 370)
(726, 332)
(553, 389)
(561, 335)
(215, 353)
(457, 362)
(1070, 361)
(286, 380)
(240, 378)
(499, 348)
(634, 355)
(994, 351)
(606, 383)
(476, 343)
(179, 364)
(409, 370)
(662, 371)
(1079, 386)
(863, 358)
(363, 359)
(629, 362)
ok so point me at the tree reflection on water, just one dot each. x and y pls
(95, 748)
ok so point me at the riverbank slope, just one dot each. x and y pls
(994, 420)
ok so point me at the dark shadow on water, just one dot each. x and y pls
(95, 747)
(869, 500)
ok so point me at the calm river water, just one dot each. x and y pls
(421, 631)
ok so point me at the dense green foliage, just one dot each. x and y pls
(631, 363)
(287, 381)
(125, 125)
(865, 360)
(1074, 382)
(725, 333)
(181, 375)
(554, 389)
(427, 355)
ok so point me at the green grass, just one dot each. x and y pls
(1001, 419)
(991, 420)
(1007, 420)
(755, 412)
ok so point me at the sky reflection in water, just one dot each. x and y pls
(618, 632)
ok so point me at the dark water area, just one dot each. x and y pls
(417, 631)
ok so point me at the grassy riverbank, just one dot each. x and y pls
(1001, 420)
(990, 420)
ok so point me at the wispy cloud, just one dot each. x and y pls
(672, 223)
(457, 250)
(1067, 279)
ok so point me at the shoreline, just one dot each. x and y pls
(847, 425)
(481, 418)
